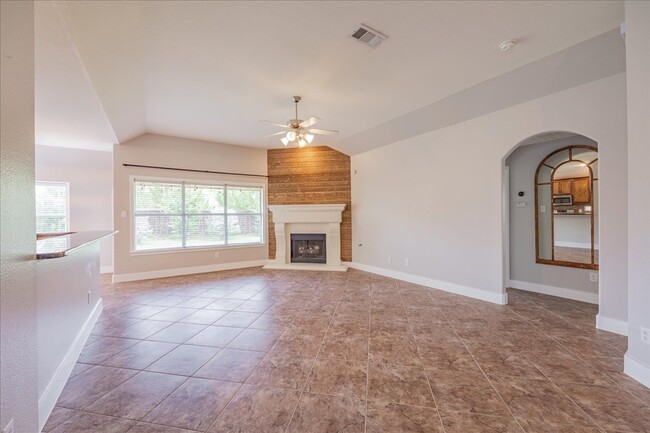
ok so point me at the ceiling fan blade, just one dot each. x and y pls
(281, 125)
(276, 133)
(308, 122)
(323, 131)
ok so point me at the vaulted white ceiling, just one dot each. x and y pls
(211, 70)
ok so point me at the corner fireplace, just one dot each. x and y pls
(308, 248)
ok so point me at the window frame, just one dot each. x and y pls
(67, 201)
(183, 214)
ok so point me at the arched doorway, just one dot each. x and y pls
(538, 225)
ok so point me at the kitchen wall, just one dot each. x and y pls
(18, 366)
(524, 271)
(429, 208)
(166, 151)
(90, 175)
(311, 175)
(637, 41)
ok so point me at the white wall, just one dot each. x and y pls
(637, 20)
(522, 165)
(435, 199)
(90, 175)
(165, 151)
(18, 369)
(64, 307)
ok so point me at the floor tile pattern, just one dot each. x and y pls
(279, 351)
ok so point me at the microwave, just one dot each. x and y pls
(563, 200)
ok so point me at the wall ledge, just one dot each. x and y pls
(609, 324)
(163, 273)
(483, 295)
(637, 370)
(561, 292)
(51, 394)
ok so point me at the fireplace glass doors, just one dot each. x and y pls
(308, 248)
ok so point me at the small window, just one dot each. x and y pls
(52, 207)
(192, 214)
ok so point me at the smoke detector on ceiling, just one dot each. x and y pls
(506, 45)
(368, 36)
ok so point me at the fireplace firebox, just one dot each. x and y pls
(308, 248)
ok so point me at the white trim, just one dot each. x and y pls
(106, 269)
(561, 292)
(53, 390)
(483, 295)
(162, 273)
(637, 370)
(612, 325)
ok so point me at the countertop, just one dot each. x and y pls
(55, 245)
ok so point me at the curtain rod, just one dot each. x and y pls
(192, 170)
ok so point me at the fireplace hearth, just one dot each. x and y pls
(308, 248)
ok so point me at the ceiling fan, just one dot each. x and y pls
(299, 130)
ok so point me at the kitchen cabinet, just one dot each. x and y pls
(562, 186)
(579, 188)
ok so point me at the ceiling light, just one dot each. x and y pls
(291, 136)
(301, 143)
(284, 140)
(309, 137)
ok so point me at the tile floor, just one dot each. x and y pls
(275, 351)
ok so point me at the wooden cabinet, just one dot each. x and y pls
(562, 186)
(579, 188)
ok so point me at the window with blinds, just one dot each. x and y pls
(189, 214)
(51, 207)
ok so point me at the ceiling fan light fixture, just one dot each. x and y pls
(309, 137)
(284, 140)
(291, 136)
(301, 143)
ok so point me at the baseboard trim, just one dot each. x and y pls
(611, 325)
(483, 295)
(106, 270)
(576, 245)
(637, 370)
(163, 273)
(561, 292)
(51, 394)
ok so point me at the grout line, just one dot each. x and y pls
(365, 422)
(316, 357)
(408, 319)
(548, 378)
(477, 363)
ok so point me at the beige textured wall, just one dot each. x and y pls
(18, 368)
(159, 150)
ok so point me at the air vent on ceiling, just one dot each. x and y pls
(368, 36)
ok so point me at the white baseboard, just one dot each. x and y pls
(53, 390)
(612, 325)
(162, 273)
(637, 370)
(586, 246)
(561, 292)
(484, 295)
(106, 270)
